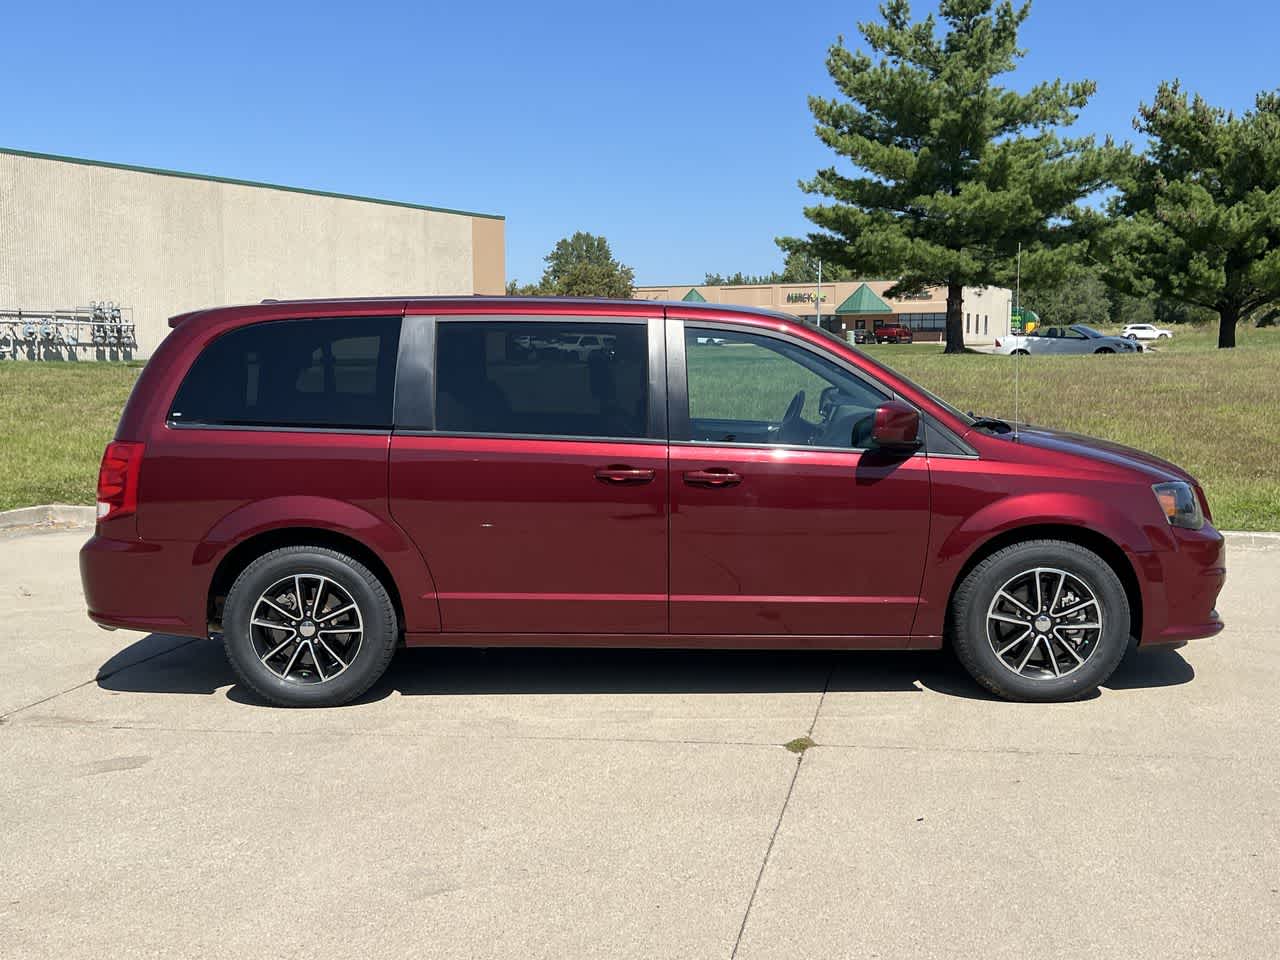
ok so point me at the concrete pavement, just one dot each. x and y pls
(567, 804)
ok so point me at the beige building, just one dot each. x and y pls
(847, 306)
(159, 242)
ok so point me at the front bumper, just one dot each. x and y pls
(1180, 587)
(138, 585)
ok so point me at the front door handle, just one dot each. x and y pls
(620, 473)
(712, 477)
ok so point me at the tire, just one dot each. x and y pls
(1164, 336)
(1104, 350)
(1132, 336)
(983, 634)
(1020, 353)
(295, 676)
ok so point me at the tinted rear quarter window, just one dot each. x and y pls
(327, 372)
(542, 378)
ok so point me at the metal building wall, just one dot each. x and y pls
(161, 243)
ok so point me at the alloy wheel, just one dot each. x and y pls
(1044, 623)
(306, 628)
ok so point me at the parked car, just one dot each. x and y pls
(861, 335)
(318, 483)
(893, 334)
(1076, 338)
(1145, 331)
(581, 346)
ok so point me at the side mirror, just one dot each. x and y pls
(896, 427)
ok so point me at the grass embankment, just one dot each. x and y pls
(1213, 412)
(55, 418)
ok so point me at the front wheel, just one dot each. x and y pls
(1041, 621)
(309, 627)
(1104, 350)
(1132, 336)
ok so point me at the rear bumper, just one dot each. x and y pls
(138, 585)
(1181, 587)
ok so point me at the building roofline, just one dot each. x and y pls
(209, 178)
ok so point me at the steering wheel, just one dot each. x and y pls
(791, 418)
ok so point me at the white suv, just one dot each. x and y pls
(1145, 331)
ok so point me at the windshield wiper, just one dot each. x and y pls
(990, 423)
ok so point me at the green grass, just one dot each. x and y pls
(55, 418)
(1213, 412)
(800, 744)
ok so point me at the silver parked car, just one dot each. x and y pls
(1076, 338)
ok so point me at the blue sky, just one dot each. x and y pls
(678, 130)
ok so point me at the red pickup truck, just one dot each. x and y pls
(893, 334)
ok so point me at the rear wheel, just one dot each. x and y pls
(308, 626)
(1044, 620)
(1020, 353)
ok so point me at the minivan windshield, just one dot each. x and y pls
(954, 411)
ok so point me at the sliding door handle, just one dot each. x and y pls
(712, 477)
(620, 473)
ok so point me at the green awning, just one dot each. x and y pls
(693, 296)
(863, 300)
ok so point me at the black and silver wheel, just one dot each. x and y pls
(308, 626)
(1104, 350)
(1043, 620)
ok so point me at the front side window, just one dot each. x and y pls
(543, 378)
(751, 388)
(327, 372)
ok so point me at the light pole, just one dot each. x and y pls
(818, 303)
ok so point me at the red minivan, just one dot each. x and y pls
(319, 482)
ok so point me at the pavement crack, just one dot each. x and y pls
(786, 801)
(96, 678)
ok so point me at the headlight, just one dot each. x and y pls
(1180, 504)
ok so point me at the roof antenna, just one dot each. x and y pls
(1017, 308)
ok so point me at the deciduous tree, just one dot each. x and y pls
(580, 266)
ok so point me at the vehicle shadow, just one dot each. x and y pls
(200, 667)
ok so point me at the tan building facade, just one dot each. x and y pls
(160, 242)
(859, 304)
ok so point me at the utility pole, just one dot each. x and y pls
(818, 304)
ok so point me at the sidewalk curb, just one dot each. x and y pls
(1252, 539)
(49, 513)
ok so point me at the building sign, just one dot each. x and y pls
(805, 298)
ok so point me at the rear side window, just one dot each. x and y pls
(542, 378)
(329, 372)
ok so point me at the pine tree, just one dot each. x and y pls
(1197, 215)
(952, 172)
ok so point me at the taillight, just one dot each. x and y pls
(118, 479)
(997, 343)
